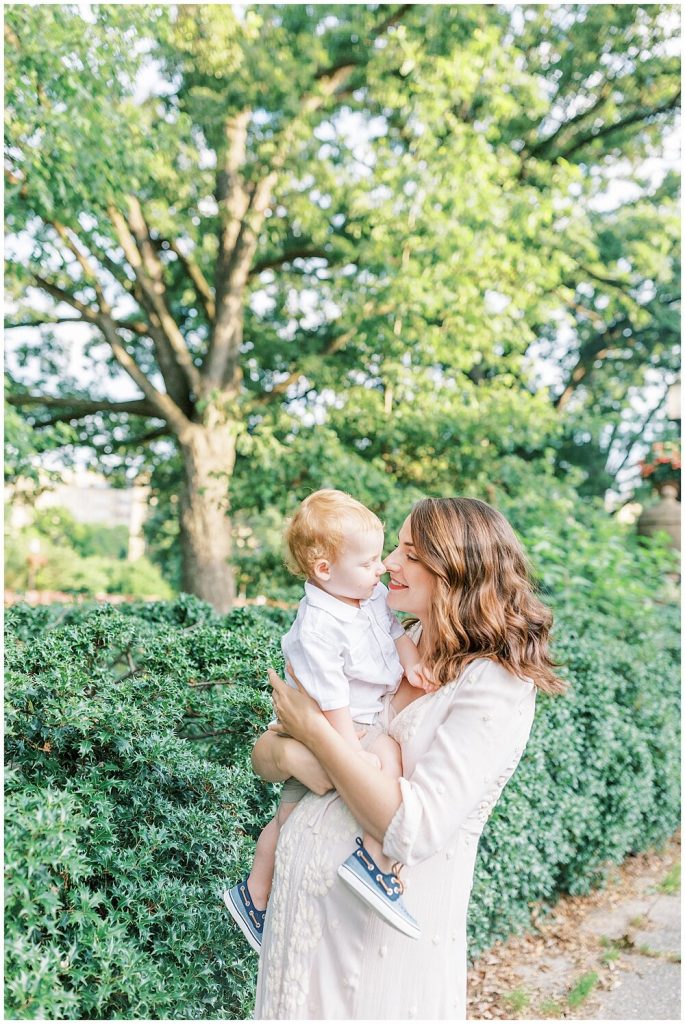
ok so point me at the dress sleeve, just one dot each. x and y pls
(475, 749)
(318, 663)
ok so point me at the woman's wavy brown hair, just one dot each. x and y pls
(484, 604)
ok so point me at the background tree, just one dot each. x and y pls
(328, 243)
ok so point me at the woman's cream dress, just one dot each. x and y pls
(325, 955)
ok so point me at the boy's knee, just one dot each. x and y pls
(389, 753)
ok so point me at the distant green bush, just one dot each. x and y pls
(130, 802)
(71, 566)
(58, 525)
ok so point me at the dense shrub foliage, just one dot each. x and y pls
(122, 828)
(130, 803)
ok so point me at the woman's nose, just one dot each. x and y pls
(391, 561)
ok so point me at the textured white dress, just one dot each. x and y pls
(325, 956)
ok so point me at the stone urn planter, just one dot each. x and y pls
(665, 515)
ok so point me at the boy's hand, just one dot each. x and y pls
(420, 678)
(370, 758)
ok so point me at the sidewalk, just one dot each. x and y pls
(612, 955)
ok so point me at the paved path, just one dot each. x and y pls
(647, 985)
(611, 955)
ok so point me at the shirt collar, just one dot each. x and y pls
(338, 609)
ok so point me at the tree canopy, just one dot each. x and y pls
(333, 244)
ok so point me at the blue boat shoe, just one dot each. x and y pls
(243, 911)
(382, 892)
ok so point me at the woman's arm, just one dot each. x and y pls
(475, 749)
(275, 758)
(372, 796)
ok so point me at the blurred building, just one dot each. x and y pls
(89, 498)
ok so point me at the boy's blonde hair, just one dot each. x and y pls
(319, 526)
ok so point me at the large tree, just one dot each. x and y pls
(368, 214)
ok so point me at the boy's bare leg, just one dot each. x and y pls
(261, 876)
(390, 756)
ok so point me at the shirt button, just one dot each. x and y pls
(335, 924)
(449, 854)
(382, 950)
(439, 789)
(436, 940)
(412, 1011)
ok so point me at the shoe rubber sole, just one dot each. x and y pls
(374, 900)
(234, 911)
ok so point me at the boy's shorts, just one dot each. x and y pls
(293, 790)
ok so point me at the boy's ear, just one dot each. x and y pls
(322, 569)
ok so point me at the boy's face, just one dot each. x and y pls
(357, 569)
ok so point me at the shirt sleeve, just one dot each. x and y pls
(475, 750)
(318, 663)
(388, 617)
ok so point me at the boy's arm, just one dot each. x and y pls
(341, 720)
(415, 672)
(407, 651)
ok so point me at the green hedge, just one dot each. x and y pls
(124, 820)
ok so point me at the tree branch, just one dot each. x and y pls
(333, 346)
(542, 145)
(242, 211)
(173, 356)
(41, 321)
(638, 434)
(593, 349)
(287, 257)
(86, 266)
(85, 406)
(166, 408)
(62, 295)
(133, 442)
(197, 278)
(630, 119)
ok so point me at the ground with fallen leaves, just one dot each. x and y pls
(555, 969)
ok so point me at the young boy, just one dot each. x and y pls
(348, 650)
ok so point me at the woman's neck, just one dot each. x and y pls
(423, 643)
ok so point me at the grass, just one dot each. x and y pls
(551, 1008)
(670, 884)
(612, 951)
(582, 989)
(657, 954)
(517, 1000)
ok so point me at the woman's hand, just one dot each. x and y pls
(298, 714)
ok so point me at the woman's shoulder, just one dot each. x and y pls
(487, 673)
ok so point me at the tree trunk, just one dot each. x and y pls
(209, 458)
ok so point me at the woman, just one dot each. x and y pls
(483, 635)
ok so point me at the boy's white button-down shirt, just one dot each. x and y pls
(345, 656)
